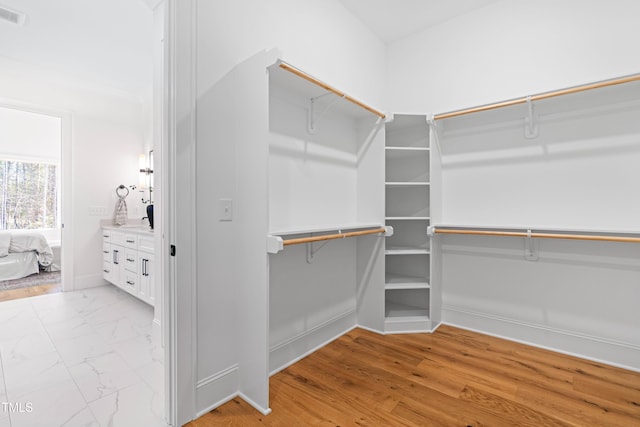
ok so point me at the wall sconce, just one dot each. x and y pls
(146, 177)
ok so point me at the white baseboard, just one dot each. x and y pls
(597, 349)
(219, 388)
(296, 348)
(87, 281)
(263, 411)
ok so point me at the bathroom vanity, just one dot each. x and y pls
(128, 258)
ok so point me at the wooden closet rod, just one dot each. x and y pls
(332, 236)
(628, 79)
(602, 238)
(325, 86)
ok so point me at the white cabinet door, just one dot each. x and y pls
(146, 289)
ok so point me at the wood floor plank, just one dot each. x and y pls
(30, 291)
(573, 409)
(615, 394)
(452, 378)
(515, 412)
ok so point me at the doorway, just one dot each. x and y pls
(34, 168)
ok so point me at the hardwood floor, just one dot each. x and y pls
(30, 291)
(452, 377)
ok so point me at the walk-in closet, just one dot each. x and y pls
(348, 216)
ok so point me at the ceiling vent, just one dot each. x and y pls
(12, 16)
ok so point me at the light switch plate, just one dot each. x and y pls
(225, 210)
(97, 211)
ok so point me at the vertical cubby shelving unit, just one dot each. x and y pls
(407, 210)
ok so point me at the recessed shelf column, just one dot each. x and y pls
(407, 202)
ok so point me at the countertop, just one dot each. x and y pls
(130, 228)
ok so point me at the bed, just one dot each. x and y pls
(23, 254)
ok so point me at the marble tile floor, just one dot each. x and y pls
(84, 358)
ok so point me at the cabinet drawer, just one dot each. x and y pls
(130, 241)
(130, 281)
(107, 270)
(106, 252)
(106, 236)
(131, 260)
(115, 237)
(146, 244)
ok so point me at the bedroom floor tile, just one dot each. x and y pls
(72, 355)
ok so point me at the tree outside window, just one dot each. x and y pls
(28, 195)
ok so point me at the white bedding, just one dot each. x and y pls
(26, 242)
(18, 264)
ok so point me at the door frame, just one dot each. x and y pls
(178, 159)
(66, 190)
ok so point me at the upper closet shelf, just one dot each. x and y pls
(325, 228)
(305, 85)
(275, 242)
(623, 94)
(538, 233)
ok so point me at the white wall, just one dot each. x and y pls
(30, 136)
(513, 48)
(107, 138)
(320, 37)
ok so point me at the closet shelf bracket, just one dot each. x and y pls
(311, 251)
(530, 247)
(433, 131)
(530, 121)
(312, 120)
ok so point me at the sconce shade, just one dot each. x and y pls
(143, 177)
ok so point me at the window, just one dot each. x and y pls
(29, 195)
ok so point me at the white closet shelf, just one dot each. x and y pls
(310, 87)
(405, 250)
(407, 184)
(539, 232)
(408, 218)
(407, 324)
(407, 148)
(405, 312)
(325, 228)
(275, 242)
(399, 281)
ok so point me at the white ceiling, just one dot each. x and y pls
(109, 42)
(105, 42)
(392, 20)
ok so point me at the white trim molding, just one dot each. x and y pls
(305, 343)
(219, 388)
(598, 349)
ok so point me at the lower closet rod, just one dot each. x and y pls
(332, 236)
(622, 239)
